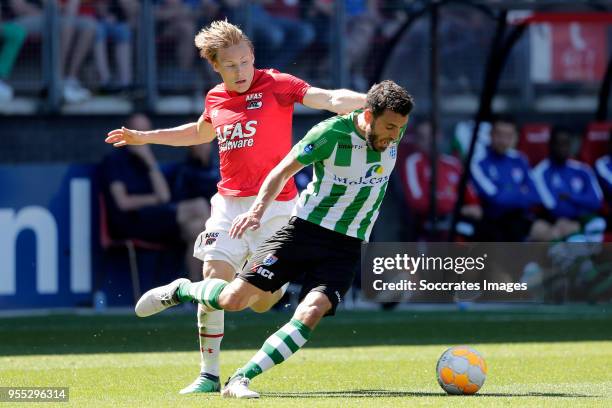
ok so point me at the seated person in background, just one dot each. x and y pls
(197, 176)
(568, 189)
(278, 32)
(114, 18)
(603, 167)
(288, 32)
(504, 185)
(177, 22)
(362, 21)
(138, 200)
(78, 30)
(417, 178)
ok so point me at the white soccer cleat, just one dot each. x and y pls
(159, 299)
(238, 387)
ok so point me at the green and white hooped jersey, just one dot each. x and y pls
(349, 180)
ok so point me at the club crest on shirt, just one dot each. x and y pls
(393, 151)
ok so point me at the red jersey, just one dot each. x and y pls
(416, 176)
(253, 130)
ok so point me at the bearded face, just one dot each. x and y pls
(379, 140)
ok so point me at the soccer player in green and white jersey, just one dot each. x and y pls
(353, 156)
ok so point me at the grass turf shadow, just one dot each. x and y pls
(400, 394)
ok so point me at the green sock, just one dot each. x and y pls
(277, 348)
(205, 292)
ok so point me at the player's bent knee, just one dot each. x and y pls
(233, 301)
(265, 302)
(313, 308)
(238, 295)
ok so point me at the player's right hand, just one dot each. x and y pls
(242, 222)
(124, 136)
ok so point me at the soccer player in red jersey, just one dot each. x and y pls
(250, 115)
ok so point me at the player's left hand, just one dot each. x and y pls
(242, 222)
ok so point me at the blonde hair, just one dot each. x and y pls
(218, 35)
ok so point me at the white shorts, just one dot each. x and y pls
(215, 244)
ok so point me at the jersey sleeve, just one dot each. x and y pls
(289, 89)
(317, 145)
(206, 113)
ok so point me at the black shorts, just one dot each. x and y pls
(326, 260)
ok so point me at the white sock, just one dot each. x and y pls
(210, 328)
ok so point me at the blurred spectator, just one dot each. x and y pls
(568, 189)
(504, 185)
(75, 26)
(288, 32)
(362, 21)
(395, 13)
(416, 176)
(177, 23)
(462, 138)
(197, 176)
(319, 14)
(138, 199)
(279, 34)
(603, 167)
(114, 18)
(463, 37)
(12, 37)
(206, 11)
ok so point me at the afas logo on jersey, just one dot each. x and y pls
(252, 97)
(235, 135)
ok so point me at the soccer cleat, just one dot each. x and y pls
(159, 299)
(238, 387)
(202, 384)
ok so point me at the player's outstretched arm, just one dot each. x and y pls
(339, 101)
(185, 135)
(270, 189)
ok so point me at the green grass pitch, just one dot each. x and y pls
(558, 357)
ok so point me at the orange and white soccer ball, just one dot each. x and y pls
(461, 370)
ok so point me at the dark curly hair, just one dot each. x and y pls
(389, 95)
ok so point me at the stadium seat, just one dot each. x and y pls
(595, 142)
(131, 245)
(533, 141)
